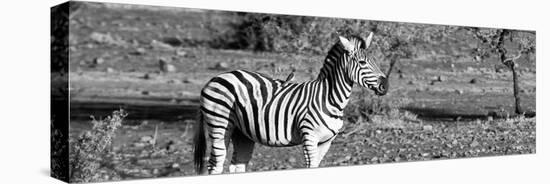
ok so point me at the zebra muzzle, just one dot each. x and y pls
(382, 88)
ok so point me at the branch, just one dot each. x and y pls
(360, 126)
(510, 61)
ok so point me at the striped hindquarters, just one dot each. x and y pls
(260, 107)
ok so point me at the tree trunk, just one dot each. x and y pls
(393, 60)
(512, 65)
(519, 110)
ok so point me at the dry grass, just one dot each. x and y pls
(87, 150)
(369, 112)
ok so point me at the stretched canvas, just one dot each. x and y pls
(145, 92)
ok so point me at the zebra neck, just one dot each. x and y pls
(335, 81)
(338, 90)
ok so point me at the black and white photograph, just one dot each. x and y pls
(118, 91)
(142, 92)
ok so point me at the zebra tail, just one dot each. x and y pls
(200, 144)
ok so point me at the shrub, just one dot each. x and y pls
(86, 150)
(380, 112)
(315, 35)
(286, 33)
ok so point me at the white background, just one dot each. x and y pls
(24, 91)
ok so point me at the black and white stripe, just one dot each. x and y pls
(254, 108)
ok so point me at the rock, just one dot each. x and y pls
(169, 68)
(174, 101)
(347, 158)
(160, 45)
(146, 139)
(474, 81)
(458, 91)
(135, 43)
(292, 160)
(98, 61)
(163, 61)
(116, 148)
(139, 144)
(474, 143)
(440, 78)
(427, 128)
(139, 51)
(172, 41)
(105, 39)
(455, 142)
(221, 66)
(143, 161)
(175, 165)
(173, 81)
(478, 58)
(181, 53)
(165, 65)
(185, 81)
(149, 76)
(171, 146)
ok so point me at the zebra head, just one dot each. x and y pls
(361, 68)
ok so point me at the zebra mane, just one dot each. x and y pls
(358, 40)
(335, 53)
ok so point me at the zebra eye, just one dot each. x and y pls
(362, 62)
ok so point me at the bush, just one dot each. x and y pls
(287, 33)
(86, 150)
(380, 112)
(316, 35)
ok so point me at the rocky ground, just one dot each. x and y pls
(137, 154)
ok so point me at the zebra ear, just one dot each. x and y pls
(347, 44)
(369, 39)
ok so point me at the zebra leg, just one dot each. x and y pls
(243, 148)
(218, 151)
(323, 149)
(311, 150)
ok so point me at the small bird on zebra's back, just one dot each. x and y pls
(254, 108)
(288, 79)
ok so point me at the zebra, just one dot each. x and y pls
(253, 108)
